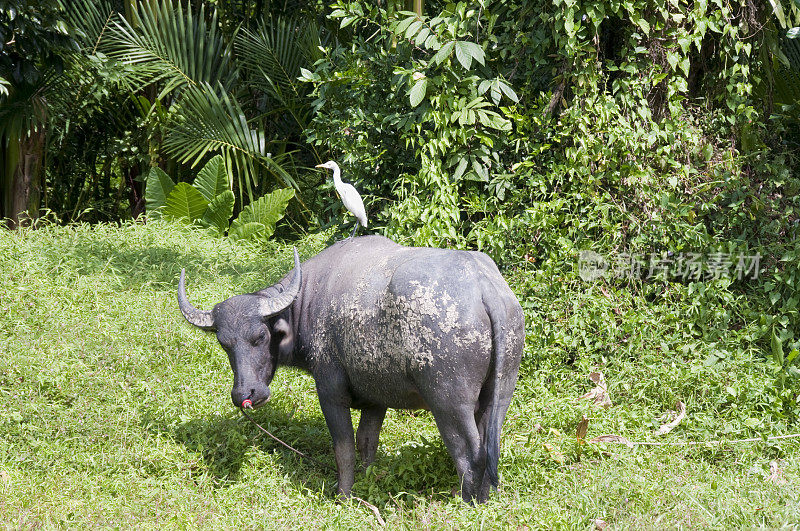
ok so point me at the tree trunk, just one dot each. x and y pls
(24, 188)
(130, 174)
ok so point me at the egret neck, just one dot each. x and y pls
(337, 176)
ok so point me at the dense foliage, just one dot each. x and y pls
(168, 84)
(33, 41)
(639, 131)
(531, 111)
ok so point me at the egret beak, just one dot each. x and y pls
(319, 166)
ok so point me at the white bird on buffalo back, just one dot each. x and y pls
(350, 196)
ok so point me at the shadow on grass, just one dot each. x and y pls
(419, 467)
(224, 442)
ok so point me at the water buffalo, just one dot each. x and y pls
(379, 325)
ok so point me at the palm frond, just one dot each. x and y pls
(168, 44)
(210, 121)
(24, 108)
(787, 76)
(91, 20)
(791, 48)
(273, 54)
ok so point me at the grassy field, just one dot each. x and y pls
(116, 413)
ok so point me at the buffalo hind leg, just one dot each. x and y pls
(369, 428)
(460, 435)
(482, 420)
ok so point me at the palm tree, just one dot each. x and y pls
(213, 94)
(200, 92)
(30, 68)
(22, 134)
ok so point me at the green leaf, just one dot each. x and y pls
(246, 231)
(346, 21)
(413, 28)
(642, 23)
(185, 202)
(778, 10)
(432, 43)
(212, 180)
(443, 53)
(463, 55)
(508, 91)
(267, 210)
(685, 65)
(777, 349)
(481, 173)
(219, 212)
(477, 53)
(158, 187)
(417, 92)
(672, 59)
(684, 42)
(467, 51)
(462, 166)
(422, 36)
(403, 25)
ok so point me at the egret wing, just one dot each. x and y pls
(352, 202)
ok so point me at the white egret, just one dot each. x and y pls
(350, 196)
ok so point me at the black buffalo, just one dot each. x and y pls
(379, 325)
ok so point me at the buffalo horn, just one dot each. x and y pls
(272, 305)
(200, 318)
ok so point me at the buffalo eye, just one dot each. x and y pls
(259, 338)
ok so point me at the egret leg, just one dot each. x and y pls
(354, 230)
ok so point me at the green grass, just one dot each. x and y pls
(115, 413)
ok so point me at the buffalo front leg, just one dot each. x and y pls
(340, 425)
(369, 428)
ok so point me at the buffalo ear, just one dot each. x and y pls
(282, 337)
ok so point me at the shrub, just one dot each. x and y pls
(210, 201)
